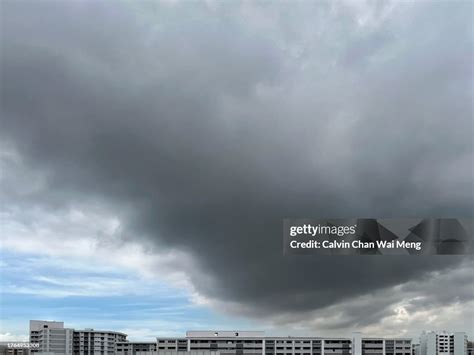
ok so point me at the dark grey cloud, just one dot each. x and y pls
(210, 124)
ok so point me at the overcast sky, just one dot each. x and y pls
(149, 152)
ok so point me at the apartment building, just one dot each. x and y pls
(96, 342)
(443, 343)
(380, 346)
(256, 343)
(50, 337)
(135, 347)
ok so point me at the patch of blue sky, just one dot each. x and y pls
(36, 287)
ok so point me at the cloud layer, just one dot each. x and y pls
(204, 125)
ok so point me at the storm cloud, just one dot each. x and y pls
(206, 124)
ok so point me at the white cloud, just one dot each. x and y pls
(84, 239)
(13, 337)
(402, 310)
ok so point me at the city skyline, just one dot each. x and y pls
(55, 337)
(36, 324)
(52, 337)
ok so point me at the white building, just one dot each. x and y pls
(96, 342)
(129, 347)
(416, 349)
(443, 343)
(51, 337)
(256, 343)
